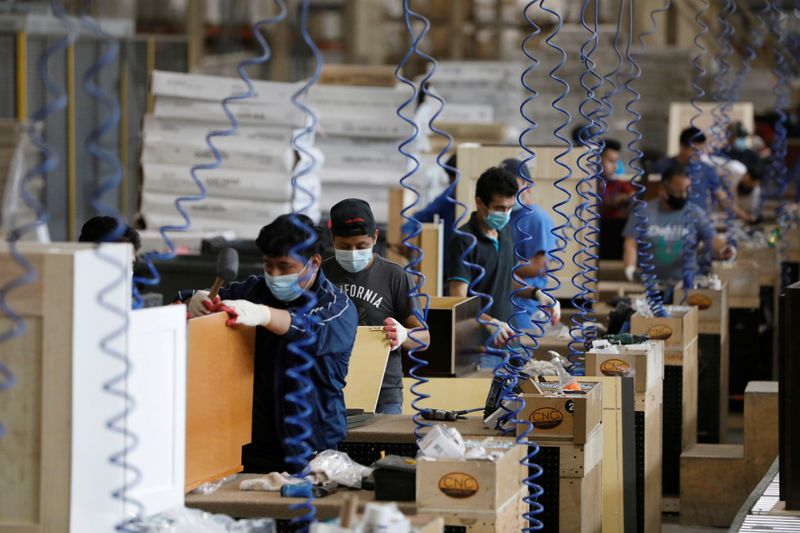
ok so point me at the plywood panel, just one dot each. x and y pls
(454, 394)
(431, 241)
(473, 159)
(367, 366)
(219, 399)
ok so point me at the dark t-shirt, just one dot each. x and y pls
(379, 292)
(495, 256)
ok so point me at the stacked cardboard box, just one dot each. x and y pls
(359, 137)
(252, 185)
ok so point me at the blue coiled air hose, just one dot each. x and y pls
(415, 292)
(645, 257)
(521, 353)
(782, 94)
(589, 163)
(49, 162)
(117, 385)
(154, 278)
(298, 443)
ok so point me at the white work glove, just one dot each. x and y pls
(630, 272)
(728, 253)
(548, 301)
(395, 332)
(244, 313)
(504, 331)
(196, 307)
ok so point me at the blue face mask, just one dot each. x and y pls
(354, 260)
(285, 288)
(620, 168)
(498, 219)
(740, 143)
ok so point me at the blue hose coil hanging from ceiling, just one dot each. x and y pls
(590, 188)
(519, 352)
(303, 315)
(49, 163)
(781, 90)
(689, 245)
(415, 292)
(643, 246)
(117, 385)
(723, 96)
(154, 278)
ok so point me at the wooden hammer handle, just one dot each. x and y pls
(215, 288)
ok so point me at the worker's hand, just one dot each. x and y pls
(630, 272)
(728, 252)
(244, 313)
(548, 301)
(504, 332)
(395, 332)
(200, 305)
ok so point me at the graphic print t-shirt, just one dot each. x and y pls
(666, 231)
(379, 292)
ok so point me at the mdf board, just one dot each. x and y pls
(452, 394)
(399, 198)
(474, 159)
(681, 114)
(431, 241)
(366, 368)
(219, 399)
(56, 414)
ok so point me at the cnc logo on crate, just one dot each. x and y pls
(458, 485)
(615, 367)
(660, 332)
(546, 418)
(700, 300)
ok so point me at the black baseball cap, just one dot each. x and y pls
(352, 217)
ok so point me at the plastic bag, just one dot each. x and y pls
(442, 442)
(185, 520)
(210, 487)
(338, 467)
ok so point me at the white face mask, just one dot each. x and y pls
(354, 260)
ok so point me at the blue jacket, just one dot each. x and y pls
(439, 206)
(538, 225)
(335, 334)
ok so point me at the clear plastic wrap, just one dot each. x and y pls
(185, 520)
(210, 487)
(338, 467)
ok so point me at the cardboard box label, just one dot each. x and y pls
(458, 485)
(547, 417)
(700, 300)
(615, 367)
(660, 332)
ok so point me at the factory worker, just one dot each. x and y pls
(270, 303)
(495, 196)
(533, 238)
(378, 287)
(615, 207)
(440, 207)
(706, 183)
(671, 219)
(100, 228)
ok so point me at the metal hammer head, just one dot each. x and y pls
(228, 264)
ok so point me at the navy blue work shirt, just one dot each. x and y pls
(439, 206)
(335, 335)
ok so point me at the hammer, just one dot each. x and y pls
(227, 270)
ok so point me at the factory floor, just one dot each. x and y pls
(670, 523)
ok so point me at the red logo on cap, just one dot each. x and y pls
(354, 220)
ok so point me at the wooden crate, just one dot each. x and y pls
(219, 400)
(677, 330)
(571, 417)
(579, 508)
(712, 308)
(56, 475)
(743, 279)
(767, 260)
(645, 363)
(507, 518)
(475, 485)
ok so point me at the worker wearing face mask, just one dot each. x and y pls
(671, 219)
(379, 288)
(269, 303)
(488, 228)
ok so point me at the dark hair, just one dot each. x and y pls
(692, 135)
(673, 171)
(612, 144)
(277, 238)
(495, 181)
(101, 228)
